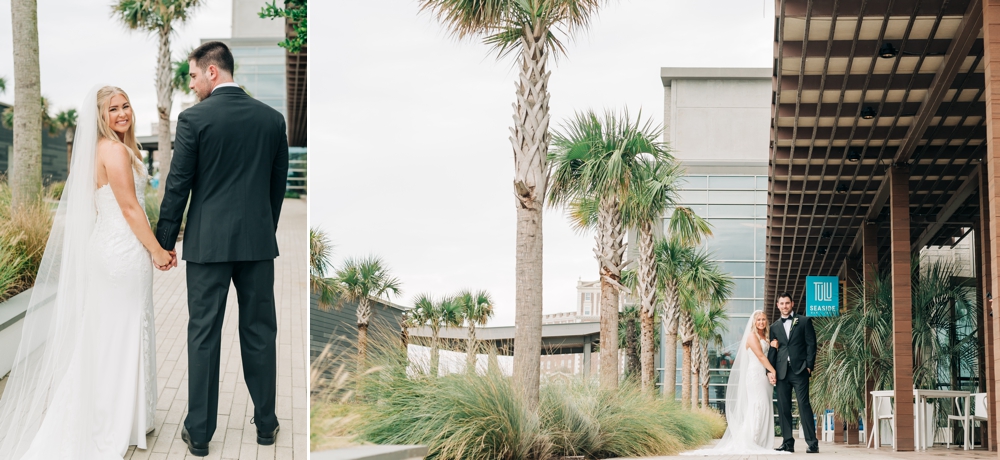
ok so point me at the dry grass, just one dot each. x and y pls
(24, 231)
(332, 415)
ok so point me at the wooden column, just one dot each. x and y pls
(985, 329)
(869, 262)
(855, 280)
(988, 186)
(902, 309)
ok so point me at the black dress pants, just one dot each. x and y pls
(208, 286)
(800, 383)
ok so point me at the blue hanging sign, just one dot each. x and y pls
(822, 296)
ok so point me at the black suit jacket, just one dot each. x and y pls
(231, 155)
(796, 352)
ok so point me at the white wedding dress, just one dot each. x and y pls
(83, 385)
(749, 406)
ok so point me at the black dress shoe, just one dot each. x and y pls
(784, 448)
(266, 439)
(198, 449)
(812, 450)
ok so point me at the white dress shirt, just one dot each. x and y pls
(223, 85)
(788, 329)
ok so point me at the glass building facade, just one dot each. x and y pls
(736, 206)
(261, 70)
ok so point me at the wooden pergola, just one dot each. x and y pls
(882, 111)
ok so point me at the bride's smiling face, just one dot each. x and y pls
(760, 323)
(119, 114)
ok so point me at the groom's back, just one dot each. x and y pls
(240, 154)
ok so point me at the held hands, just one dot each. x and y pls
(164, 260)
(771, 378)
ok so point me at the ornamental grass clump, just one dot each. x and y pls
(24, 232)
(482, 415)
(583, 419)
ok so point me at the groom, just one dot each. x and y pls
(231, 156)
(793, 355)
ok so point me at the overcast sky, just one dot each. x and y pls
(81, 45)
(410, 157)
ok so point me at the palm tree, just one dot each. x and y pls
(686, 277)
(598, 160)
(628, 339)
(704, 282)
(531, 28)
(361, 280)
(67, 120)
(158, 17)
(414, 317)
(320, 251)
(181, 76)
(654, 193)
(857, 345)
(437, 314)
(710, 324)
(3, 85)
(476, 308)
(25, 168)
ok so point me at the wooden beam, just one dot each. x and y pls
(965, 37)
(956, 201)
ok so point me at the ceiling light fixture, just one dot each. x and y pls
(853, 155)
(868, 112)
(841, 188)
(887, 51)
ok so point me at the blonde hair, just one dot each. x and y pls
(756, 331)
(104, 130)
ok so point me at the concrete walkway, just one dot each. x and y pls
(235, 437)
(830, 451)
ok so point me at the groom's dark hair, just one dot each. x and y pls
(785, 294)
(213, 53)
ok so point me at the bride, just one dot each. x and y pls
(83, 385)
(749, 407)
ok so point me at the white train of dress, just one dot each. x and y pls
(107, 400)
(750, 426)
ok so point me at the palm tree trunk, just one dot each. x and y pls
(404, 336)
(434, 352)
(687, 339)
(671, 313)
(695, 370)
(164, 99)
(647, 298)
(530, 141)
(470, 349)
(25, 168)
(705, 374)
(609, 253)
(632, 350)
(364, 316)
(686, 375)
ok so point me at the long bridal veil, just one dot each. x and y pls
(52, 325)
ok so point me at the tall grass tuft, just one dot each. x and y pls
(331, 411)
(470, 415)
(24, 232)
(583, 419)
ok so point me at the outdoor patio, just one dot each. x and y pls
(235, 437)
(838, 451)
